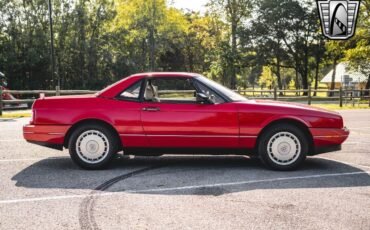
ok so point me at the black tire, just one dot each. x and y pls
(283, 131)
(110, 140)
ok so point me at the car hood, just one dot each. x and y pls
(296, 108)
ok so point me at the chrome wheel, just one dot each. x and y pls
(92, 146)
(284, 148)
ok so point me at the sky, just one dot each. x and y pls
(196, 5)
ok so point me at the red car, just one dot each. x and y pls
(8, 96)
(159, 113)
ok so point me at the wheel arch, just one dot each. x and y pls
(291, 121)
(90, 121)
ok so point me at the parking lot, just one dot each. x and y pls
(41, 188)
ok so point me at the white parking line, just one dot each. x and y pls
(49, 198)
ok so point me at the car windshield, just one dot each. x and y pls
(222, 89)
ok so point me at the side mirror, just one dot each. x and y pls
(203, 99)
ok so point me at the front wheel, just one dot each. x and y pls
(283, 147)
(92, 146)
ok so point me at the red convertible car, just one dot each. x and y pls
(159, 113)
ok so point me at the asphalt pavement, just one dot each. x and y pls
(41, 188)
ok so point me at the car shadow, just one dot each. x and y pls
(189, 175)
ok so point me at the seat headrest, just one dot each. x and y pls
(149, 93)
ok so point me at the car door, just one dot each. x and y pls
(172, 118)
(126, 112)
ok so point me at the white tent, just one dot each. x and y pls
(345, 77)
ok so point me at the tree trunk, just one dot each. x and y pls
(305, 72)
(152, 39)
(233, 55)
(278, 74)
(144, 56)
(82, 43)
(317, 67)
(332, 86)
(367, 93)
(297, 87)
(151, 51)
(190, 58)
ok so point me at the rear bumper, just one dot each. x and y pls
(328, 140)
(51, 136)
(47, 144)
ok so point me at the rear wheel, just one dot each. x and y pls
(283, 147)
(92, 146)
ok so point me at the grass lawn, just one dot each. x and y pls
(337, 107)
(16, 114)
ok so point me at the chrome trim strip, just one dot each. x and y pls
(43, 133)
(133, 135)
(330, 136)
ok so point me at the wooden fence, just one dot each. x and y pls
(338, 96)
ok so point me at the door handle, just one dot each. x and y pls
(151, 109)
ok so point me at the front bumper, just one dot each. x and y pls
(51, 136)
(328, 140)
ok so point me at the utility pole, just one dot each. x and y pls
(152, 38)
(52, 46)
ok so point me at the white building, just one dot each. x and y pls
(346, 78)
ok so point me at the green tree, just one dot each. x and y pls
(286, 34)
(269, 30)
(267, 78)
(235, 11)
(100, 41)
(318, 52)
(152, 30)
(358, 56)
(335, 52)
(299, 38)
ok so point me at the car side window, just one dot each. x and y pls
(132, 92)
(213, 96)
(171, 90)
